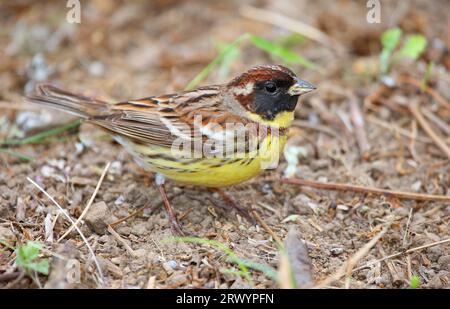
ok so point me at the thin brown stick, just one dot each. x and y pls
(441, 124)
(134, 213)
(122, 241)
(346, 269)
(404, 252)
(426, 127)
(394, 128)
(440, 99)
(267, 228)
(360, 189)
(91, 200)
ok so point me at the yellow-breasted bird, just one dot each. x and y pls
(213, 136)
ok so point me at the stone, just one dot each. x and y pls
(98, 217)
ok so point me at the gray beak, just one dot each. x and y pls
(301, 87)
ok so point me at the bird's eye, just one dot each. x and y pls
(271, 87)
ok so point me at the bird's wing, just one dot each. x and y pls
(198, 115)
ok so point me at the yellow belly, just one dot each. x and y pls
(216, 171)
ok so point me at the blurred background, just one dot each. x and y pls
(380, 117)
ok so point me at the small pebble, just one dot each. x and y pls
(336, 251)
(120, 200)
(96, 68)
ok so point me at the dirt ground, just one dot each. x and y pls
(131, 50)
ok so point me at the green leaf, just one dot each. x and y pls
(215, 62)
(291, 40)
(16, 154)
(243, 264)
(415, 282)
(218, 245)
(281, 52)
(27, 258)
(427, 75)
(390, 38)
(29, 251)
(41, 137)
(228, 57)
(413, 47)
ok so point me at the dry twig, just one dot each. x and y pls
(64, 212)
(91, 200)
(134, 213)
(440, 99)
(361, 189)
(394, 128)
(426, 127)
(122, 241)
(267, 228)
(436, 243)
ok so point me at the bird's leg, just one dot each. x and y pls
(174, 224)
(231, 203)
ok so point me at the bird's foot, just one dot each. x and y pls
(173, 220)
(230, 203)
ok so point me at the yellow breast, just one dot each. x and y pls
(217, 171)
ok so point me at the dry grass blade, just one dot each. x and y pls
(440, 99)
(413, 107)
(291, 25)
(91, 200)
(360, 189)
(395, 128)
(63, 211)
(436, 243)
(267, 228)
(122, 241)
(347, 267)
(441, 124)
(134, 213)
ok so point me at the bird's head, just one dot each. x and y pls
(269, 93)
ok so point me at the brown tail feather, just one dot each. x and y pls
(76, 104)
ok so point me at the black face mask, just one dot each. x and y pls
(271, 98)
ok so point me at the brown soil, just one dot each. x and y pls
(131, 50)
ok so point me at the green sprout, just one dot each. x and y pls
(427, 75)
(224, 53)
(229, 52)
(243, 264)
(412, 48)
(43, 136)
(277, 50)
(414, 282)
(49, 135)
(27, 257)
